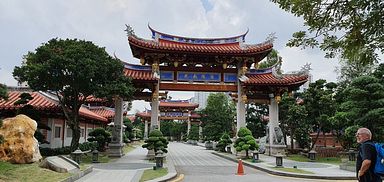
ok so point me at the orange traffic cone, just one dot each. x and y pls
(240, 168)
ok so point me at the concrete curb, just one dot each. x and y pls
(279, 173)
(172, 174)
(78, 175)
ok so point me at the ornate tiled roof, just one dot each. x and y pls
(225, 48)
(41, 101)
(270, 79)
(168, 43)
(102, 111)
(180, 104)
(138, 72)
(269, 76)
(84, 112)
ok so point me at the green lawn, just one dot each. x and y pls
(301, 158)
(292, 170)
(28, 173)
(152, 174)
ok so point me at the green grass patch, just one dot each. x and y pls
(292, 170)
(251, 160)
(103, 158)
(329, 160)
(150, 174)
(29, 173)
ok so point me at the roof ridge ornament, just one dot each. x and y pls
(129, 30)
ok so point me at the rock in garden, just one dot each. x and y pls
(20, 146)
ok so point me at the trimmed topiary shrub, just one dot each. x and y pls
(245, 141)
(156, 141)
(101, 136)
(223, 142)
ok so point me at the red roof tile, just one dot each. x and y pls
(228, 48)
(139, 72)
(270, 79)
(178, 104)
(103, 112)
(41, 102)
(84, 112)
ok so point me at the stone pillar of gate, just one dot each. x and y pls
(146, 129)
(189, 123)
(155, 108)
(275, 143)
(116, 145)
(200, 132)
(241, 99)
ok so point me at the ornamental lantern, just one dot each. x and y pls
(312, 155)
(77, 155)
(255, 156)
(159, 157)
(95, 156)
(279, 160)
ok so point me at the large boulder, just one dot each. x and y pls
(20, 146)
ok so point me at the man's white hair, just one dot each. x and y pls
(366, 131)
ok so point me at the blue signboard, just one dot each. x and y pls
(198, 77)
(166, 75)
(230, 77)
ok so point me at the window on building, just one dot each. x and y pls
(57, 131)
(69, 132)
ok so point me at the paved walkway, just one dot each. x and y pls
(127, 168)
(319, 170)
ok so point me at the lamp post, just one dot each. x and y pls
(159, 157)
(255, 156)
(279, 160)
(312, 155)
(77, 155)
(95, 156)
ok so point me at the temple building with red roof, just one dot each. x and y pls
(51, 115)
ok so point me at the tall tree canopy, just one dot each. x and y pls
(321, 106)
(74, 69)
(355, 29)
(218, 116)
(254, 119)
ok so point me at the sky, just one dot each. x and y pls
(27, 24)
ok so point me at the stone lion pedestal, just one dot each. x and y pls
(274, 149)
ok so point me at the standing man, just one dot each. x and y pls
(366, 158)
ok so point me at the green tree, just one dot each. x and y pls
(194, 133)
(254, 119)
(218, 116)
(101, 136)
(224, 141)
(353, 29)
(272, 59)
(364, 104)
(3, 96)
(245, 141)
(321, 106)
(293, 119)
(156, 141)
(74, 69)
